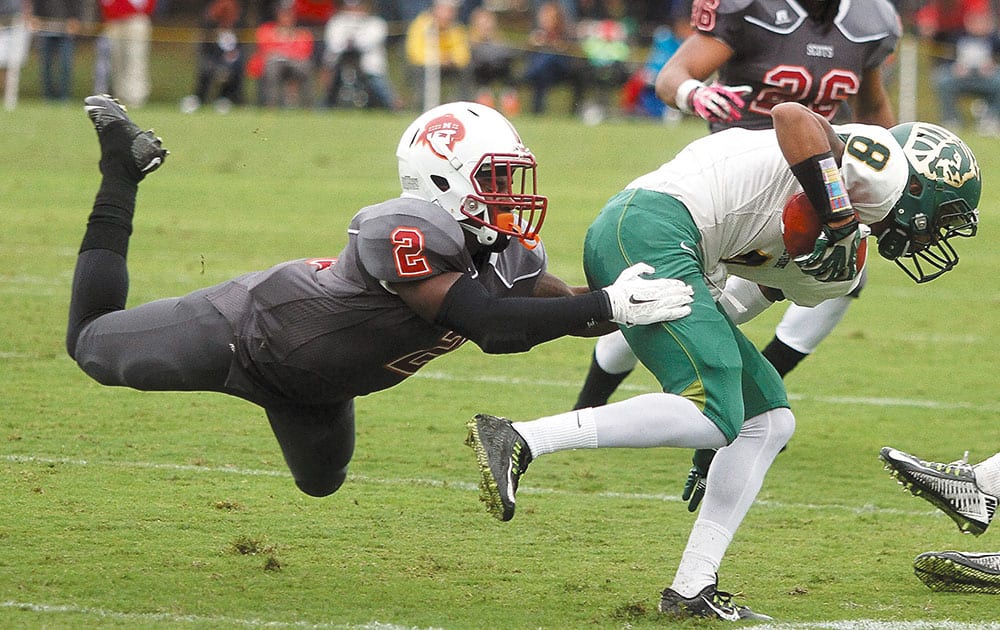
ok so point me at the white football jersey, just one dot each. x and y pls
(736, 183)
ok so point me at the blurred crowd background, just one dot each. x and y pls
(591, 59)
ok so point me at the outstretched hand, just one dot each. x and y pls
(639, 301)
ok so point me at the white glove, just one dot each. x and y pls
(641, 301)
(714, 103)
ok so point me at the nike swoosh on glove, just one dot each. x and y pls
(641, 301)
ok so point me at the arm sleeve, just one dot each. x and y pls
(516, 324)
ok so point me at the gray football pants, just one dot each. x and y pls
(185, 344)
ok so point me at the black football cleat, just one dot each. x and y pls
(950, 487)
(503, 456)
(710, 603)
(125, 148)
(958, 572)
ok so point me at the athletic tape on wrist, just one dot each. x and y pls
(820, 180)
(683, 95)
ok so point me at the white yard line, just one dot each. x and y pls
(463, 486)
(835, 400)
(101, 613)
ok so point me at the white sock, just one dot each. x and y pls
(802, 328)
(700, 562)
(988, 475)
(644, 421)
(652, 420)
(561, 432)
(734, 480)
(738, 470)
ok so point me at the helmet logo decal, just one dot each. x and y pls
(939, 155)
(442, 134)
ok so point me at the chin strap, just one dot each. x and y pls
(485, 237)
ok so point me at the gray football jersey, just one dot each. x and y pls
(321, 330)
(785, 55)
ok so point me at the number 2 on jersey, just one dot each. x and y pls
(408, 252)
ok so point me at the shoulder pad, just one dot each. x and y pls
(777, 16)
(517, 263)
(875, 170)
(869, 20)
(408, 239)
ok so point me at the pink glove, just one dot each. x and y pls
(714, 103)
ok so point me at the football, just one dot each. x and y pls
(800, 227)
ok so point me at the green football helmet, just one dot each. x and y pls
(940, 201)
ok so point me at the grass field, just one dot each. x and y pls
(127, 509)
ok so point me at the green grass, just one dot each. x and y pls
(132, 509)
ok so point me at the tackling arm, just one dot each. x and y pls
(551, 286)
(500, 325)
(515, 324)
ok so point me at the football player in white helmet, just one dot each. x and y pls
(481, 174)
(456, 257)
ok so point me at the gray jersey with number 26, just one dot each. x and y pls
(783, 54)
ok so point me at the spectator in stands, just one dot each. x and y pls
(283, 61)
(14, 39)
(554, 57)
(56, 23)
(314, 15)
(493, 62)
(407, 10)
(569, 8)
(605, 35)
(355, 43)
(221, 58)
(638, 96)
(943, 21)
(129, 28)
(437, 41)
(973, 72)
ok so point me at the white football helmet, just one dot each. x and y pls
(468, 159)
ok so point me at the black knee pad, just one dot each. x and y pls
(326, 486)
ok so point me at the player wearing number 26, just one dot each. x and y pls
(457, 256)
(824, 54)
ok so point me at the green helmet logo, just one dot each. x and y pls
(939, 155)
(939, 202)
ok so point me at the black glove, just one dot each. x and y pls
(694, 487)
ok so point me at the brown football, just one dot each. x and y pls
(800, 227)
